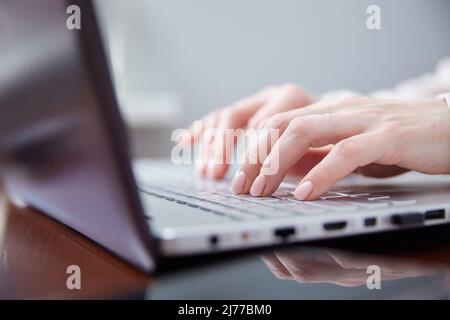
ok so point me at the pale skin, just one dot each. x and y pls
(324, 141)
(341, 268)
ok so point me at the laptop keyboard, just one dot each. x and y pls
(180, 185)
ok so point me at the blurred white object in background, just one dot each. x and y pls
(156, 110)
(140, 109)
(113, 16)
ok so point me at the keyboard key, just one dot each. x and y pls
(366, 203)
(282, 193)
(331, 195)
(298, 207)
(400, 201)
(266, 200)
(248, 198)
(233, 201)
(404, 202)
(215, 198)
(276, 214)
(372, 197)
(241, 216)
(331, 205)
(354, 194)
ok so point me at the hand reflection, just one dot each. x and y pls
(341, 268)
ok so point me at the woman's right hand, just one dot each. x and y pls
(246, 113)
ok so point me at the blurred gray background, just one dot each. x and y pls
(183, 58)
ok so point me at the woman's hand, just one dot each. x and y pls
(247, 113)
(412, 135)
(342, 268)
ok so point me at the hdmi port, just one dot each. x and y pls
(435, 214)
(335, 225)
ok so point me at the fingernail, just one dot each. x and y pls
(304, 190)
(238, 183)
(211, 169)
(258, 186)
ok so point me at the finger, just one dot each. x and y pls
(207, 135)
(286, 98)
(247, 107)
(232, 118)
(225, 137)
(306, 269)
(258, 144)
(249, 172)
(277, 268)
(309, 160)
(301, 134)
(222, 152)
(344, 158)
(196, 130)
(245, 178)
(348, 104)
(351, 261)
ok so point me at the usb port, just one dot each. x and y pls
(284, 233)
(435, 214)
(335, 225)
(370, 222)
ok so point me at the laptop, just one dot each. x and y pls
(64, 152)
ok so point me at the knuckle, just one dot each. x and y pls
(395, 135)
(276, 121)
(300, 127)
(304, 274)
(349, 100)
(212, 114)
(348, 149)
(322, 174)
(369, 113)
(229, 115)
(389, 130)
(210, 118)
(394, 131)
(281, 275)
(292, 89)
(345, 263)
(352, 100)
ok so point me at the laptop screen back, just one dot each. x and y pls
(62, 142)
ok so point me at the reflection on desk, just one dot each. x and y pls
(307, 273)
(36, 251)
(413, 264)
(345, 268)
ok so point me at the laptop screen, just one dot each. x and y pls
(62, 142)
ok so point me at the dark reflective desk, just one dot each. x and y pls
(35, 252)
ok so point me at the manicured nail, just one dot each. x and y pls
(304, 190)
(238, 183)
(258, 186)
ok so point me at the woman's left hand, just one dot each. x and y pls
(365, 133)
